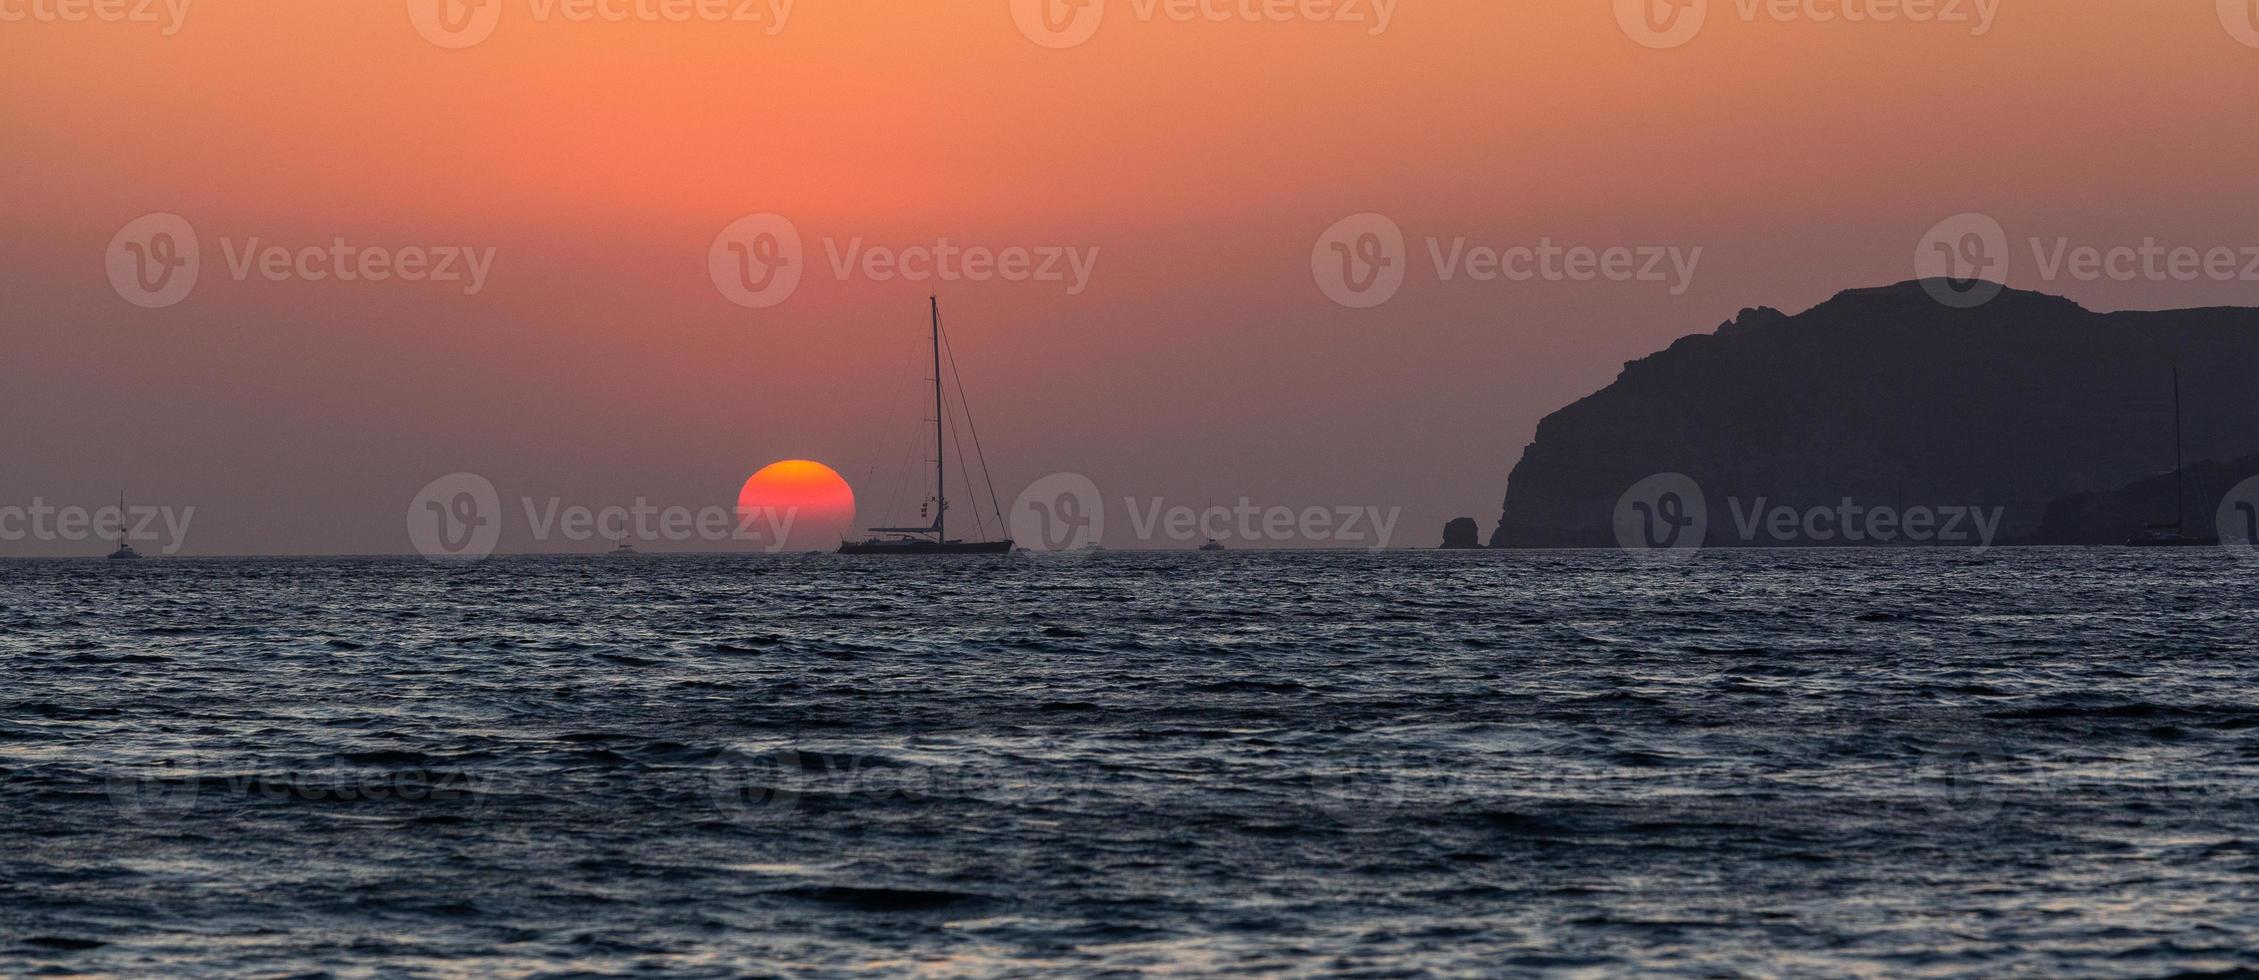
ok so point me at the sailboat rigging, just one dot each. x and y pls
(934, 539)
(2175, 534)
(125, 551)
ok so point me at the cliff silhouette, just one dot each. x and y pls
(1887, 398)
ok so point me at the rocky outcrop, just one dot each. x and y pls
(1462, 532)
(1887, 398)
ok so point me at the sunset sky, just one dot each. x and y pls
(1200, 159)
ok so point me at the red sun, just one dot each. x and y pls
(796, 505)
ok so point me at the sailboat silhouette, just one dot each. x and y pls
(125, 551)
(934, 540)
(2175, 534)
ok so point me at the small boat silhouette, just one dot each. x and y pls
(2175, 534)
(125, 551)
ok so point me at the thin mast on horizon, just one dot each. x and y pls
(2180, 492)
(940, 462)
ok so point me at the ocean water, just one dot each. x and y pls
(1825, 763)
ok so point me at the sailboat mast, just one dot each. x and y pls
(2179, 493)
(940, 468)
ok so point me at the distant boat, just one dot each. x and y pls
(934, 540)
(125, 551)
(2175, 534)
(624, 548)
(1212, 545)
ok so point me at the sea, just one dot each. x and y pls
(1857, 763)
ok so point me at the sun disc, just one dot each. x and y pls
(796, 505)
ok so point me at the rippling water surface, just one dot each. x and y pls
(1885, 763)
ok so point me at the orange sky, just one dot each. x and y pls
(1200, 159)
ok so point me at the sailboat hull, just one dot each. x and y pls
(926, 548)
(2172, 542)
